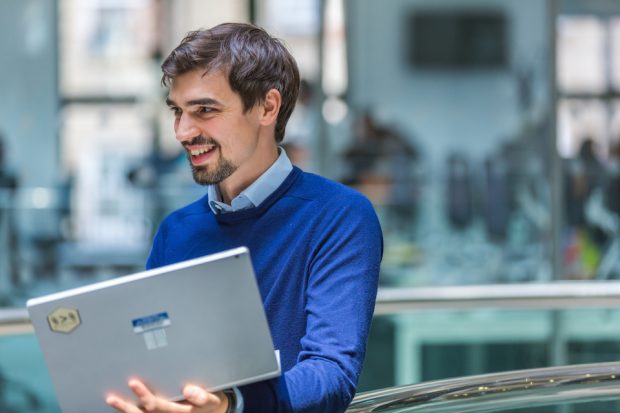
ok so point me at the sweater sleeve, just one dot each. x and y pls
(341, 290)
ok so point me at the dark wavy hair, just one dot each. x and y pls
(255, 63)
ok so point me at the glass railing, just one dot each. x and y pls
(555, 386)
(418, 336)
(424, 334)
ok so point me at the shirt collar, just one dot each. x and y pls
(257, 192)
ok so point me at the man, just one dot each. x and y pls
(316, 245)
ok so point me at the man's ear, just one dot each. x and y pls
(271, 107)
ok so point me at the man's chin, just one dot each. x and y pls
(203, 177)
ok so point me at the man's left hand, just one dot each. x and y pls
(197, 400)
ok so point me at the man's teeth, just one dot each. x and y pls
(196, 152)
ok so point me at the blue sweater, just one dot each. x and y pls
(316, 247)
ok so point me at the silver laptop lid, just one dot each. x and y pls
(199, 321)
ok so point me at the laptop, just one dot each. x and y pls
(200, 321)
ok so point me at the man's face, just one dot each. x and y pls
(210, 122)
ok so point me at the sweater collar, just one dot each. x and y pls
(236, 216)
(257, 192)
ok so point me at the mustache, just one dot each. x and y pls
(201, 140)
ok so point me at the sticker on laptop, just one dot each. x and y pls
(64, 320)
(153, 329)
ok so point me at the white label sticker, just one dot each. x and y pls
(155, 339)
(152, 328)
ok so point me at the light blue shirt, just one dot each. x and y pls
(257, 192)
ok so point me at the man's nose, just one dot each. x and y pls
(186, 129)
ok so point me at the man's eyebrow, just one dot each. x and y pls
(203, 101)
(194, 102)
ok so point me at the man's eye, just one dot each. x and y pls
(204, 109)
(175, 111)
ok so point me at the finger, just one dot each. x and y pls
(152, 403)
(121, 405)
(147, 399)
(167, 406)
(199, 397)
(195, 395)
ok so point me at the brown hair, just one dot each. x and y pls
(254, 61)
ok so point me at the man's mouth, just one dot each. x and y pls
(200, 154)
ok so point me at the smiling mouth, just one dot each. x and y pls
(200, 155)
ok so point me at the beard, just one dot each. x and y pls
(211, 174)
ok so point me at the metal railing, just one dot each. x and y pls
(14, 321)
(496, 392)
(556, 295)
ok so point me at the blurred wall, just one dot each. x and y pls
(446, 109)
(189, 15)
(29, 93)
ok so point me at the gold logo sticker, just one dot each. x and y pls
(64, 320)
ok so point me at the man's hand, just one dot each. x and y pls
(197, 400)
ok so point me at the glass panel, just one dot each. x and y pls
(591, 158)
(402, 349)
(117, 170)
(107, 47)
(99, 220)
(456, 159)
(580, 54)
(582, 126)
(440, 344)
(588, 131)
(119, 138)
(25, 385)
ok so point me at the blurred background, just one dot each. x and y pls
(485, 132)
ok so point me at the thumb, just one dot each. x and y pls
(195, 395)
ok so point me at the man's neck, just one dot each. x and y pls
(245, 175)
